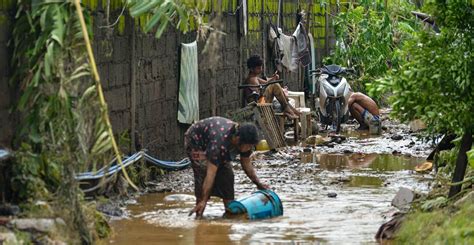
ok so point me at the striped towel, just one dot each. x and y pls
(188, 104)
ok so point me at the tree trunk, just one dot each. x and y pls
(461, 163)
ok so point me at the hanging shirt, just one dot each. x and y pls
(302, 45)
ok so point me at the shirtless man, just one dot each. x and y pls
(362, 107)
(255, 65)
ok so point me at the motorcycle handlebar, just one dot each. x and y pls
(260, 85)
(319, 72)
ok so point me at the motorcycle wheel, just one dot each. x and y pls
(338, 116)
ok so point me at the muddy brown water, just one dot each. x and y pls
(365, 185)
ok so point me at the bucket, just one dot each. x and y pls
(260, 205)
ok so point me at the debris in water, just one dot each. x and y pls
(396, 137)
(332, 194)
(424, 167)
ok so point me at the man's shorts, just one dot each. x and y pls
(223, 183)
(368, 117)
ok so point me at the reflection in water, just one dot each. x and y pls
(365, 181)
(309, 215)
(380, 162)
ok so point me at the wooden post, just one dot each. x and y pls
(326, 33)
(461, 163)
(240, 35)
(133, 92)
(264, 46)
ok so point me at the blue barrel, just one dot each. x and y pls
(261, 204)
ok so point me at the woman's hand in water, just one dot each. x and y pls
(199, 209)
(262, 186)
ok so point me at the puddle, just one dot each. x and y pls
(380, 162)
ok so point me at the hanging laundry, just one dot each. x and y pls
(188, 102)
(288, 49)
(302, 45)
(292, 50)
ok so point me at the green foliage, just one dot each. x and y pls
(34, 174)
(436, 82)
(58, 102)
(164, 12)
(434, 203)
(447, 160)
(102, 227)
(470, 157)
(61, 129)
(368, 37)
(438, 227)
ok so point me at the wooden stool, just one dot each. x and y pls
(281, 120)
(306, 124)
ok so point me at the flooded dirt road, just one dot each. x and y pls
(365, 180)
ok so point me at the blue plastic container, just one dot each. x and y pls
(260, 205)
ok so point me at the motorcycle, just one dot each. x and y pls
(332, 92)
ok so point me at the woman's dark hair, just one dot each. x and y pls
(248, 134)
(254, 61)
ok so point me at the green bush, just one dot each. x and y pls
(368, 38)
(436, 82)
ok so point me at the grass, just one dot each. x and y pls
(443, 226)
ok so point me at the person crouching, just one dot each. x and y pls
(211, 144)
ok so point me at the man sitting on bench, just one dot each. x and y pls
(255, 65)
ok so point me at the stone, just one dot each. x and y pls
(318, 140)
(41, 225)
(403, 198)
(8, 238)
(417, 125)
(396, 137)
(332, 194)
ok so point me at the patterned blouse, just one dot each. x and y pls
(213, 136)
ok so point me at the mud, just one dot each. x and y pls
(340, 193)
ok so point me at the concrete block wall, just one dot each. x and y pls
(157, 66)
(153, 65)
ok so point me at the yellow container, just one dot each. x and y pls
(263, 146)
